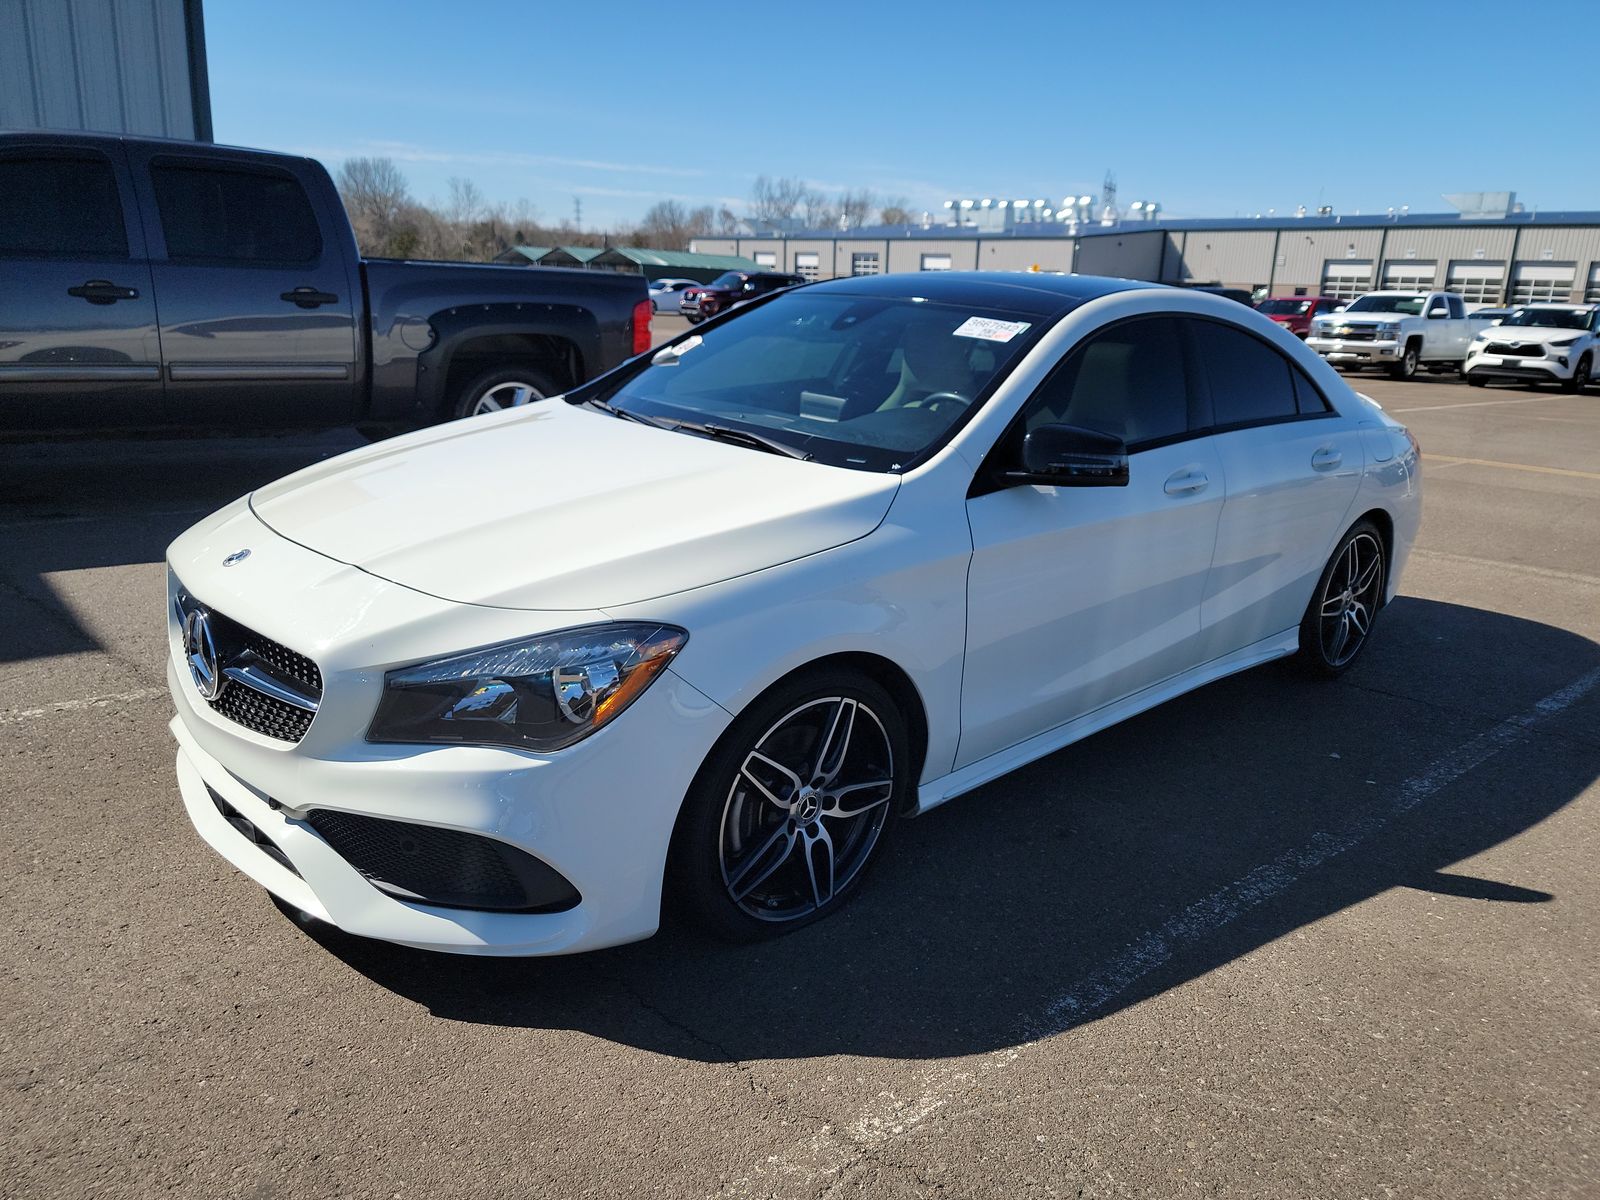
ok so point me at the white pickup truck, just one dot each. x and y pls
(1400, 331)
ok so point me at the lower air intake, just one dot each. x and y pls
(443, 867)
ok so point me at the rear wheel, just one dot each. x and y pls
(792, 806)
(500, 388)
(1339, 618)
(1580, 375)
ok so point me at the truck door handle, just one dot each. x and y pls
(102, 291)
(309, 297)
(1326, 458)
(1187, 482)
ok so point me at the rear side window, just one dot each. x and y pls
(1307, 398)
(1250, 381)
(1128, 381)
(61, 207)
(222, 215)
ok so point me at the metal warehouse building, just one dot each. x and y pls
(1519, 257)
(113, 66)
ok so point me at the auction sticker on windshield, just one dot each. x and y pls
(989, 329)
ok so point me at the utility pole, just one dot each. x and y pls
(577, 212)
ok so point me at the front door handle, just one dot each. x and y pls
(309, 297)
(1187, 482)
(102, 291)
(1326, 458)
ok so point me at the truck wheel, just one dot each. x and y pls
(501, 387)
(1406, 368)
(1477, 379)
(1580, 376)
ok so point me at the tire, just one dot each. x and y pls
(748, 854)
(1580, 375)
(1349, 594)
(693, 318)
(1478, 380)
(1406, 368)
(498, 388)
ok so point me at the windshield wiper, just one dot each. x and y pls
(596, 402)
(743, 437)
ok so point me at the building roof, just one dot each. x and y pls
(1054, 229)
(532, 253)
(680, 258)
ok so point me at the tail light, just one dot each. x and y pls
(641, 327)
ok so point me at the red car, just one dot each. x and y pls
(730, 288)
(1294, 313)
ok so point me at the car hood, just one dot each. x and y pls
(558, 507)
(1536, 334)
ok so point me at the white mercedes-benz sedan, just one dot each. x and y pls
(704, 629)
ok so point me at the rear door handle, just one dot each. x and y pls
(1187, 482)
(103, 291)
(309, 297)
(1326, 458)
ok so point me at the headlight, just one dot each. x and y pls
(539, 694)
(1565, 342)
(1389, 331)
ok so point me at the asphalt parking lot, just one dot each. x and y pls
(1277, 938)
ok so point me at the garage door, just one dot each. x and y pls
(1533, 282)
(1409, 276)
(1477, 282)
(1346, 280)
(1592, 292)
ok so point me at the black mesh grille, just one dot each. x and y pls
(262, 713)
(1522, 350)
(245, 826)
(443, 867)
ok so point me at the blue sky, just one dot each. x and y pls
(1213, 109)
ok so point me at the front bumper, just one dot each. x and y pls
(600, 812)
(1544, 369)
(1341, 350)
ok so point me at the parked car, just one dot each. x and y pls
(1400, 331)
(1539, 343)
(874, 543)
(151, 282)
(667, 294)
(733, 288)
(1294, 313)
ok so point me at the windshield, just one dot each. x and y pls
(1284, 308)
(728, 279)
(869, 383)
(1411, 306)
(1550, 318)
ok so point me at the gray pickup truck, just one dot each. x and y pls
(159, 283)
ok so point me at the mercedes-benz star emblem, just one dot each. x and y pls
(201, 652)
(238, 556)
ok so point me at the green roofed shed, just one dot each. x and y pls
(670, 264)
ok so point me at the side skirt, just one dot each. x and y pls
(947, 787)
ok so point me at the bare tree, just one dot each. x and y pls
(668, 225)
(776, 200)
(374, 193)
(727, 220)
(466, 202)
(893, 211)
(856, 206)
(819, 211)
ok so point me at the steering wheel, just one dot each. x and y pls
(933, 400)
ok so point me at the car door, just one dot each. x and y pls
(78, 339)
(1079, 596)
(257, 315)
(1292, 466)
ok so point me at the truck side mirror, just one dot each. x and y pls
(1437, 311)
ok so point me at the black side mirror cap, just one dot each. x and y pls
(1067, 456)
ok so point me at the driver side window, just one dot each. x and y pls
(1128, 381)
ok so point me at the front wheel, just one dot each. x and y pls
(1406, 368)
(792, 806)
(500, 388)
(1339, 618)
(1580, 376)
(1477, 380)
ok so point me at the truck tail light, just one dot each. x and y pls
(641, 327)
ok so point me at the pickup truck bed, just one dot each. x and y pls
(161, 283)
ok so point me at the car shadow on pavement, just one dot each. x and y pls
(1112, 870)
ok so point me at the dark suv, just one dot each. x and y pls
(730, 288)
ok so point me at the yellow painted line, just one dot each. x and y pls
(1452, 461)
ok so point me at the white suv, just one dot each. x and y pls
(1539, 343)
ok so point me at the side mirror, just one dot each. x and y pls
(1067, 456)
(1340, 307)
(1437, 312)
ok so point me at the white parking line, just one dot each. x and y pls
(1482, 403)
(15, 716)
(1468, 560)
(891, 1116)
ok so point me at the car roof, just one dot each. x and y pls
(1023, 291)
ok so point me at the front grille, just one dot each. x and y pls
(240, 646)
(245, 826)
(1524, 350)
(1356, 335)
(443, 867)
